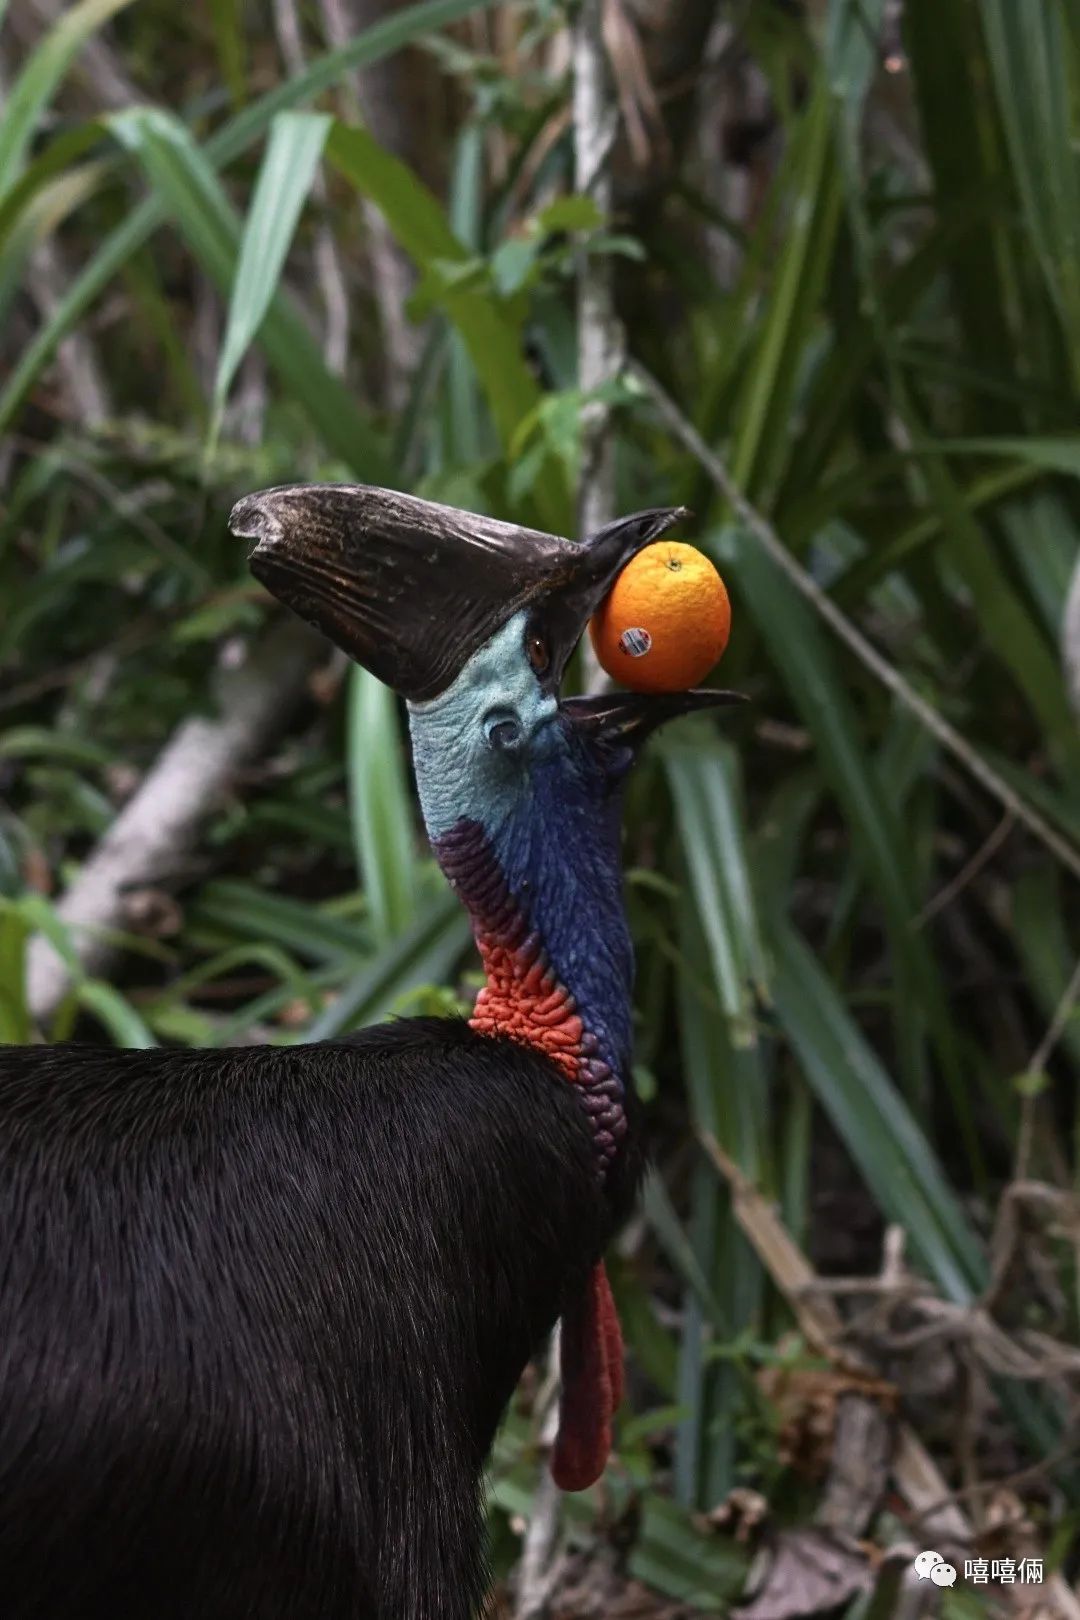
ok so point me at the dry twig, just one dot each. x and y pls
(378, 94)
(601, 342)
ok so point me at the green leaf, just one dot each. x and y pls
(372, 45)
(852, 32)
(572, 213)
(227, 17)
(661, 1215)
(1030, 57)
(285, 178)
(423, 954)
(382, 815)
(962, 140)
(1006, 620)
(37, 742)
(42, 916)
(240, 911)
(268, 957)
(44, 212)
(217, 618)
(513, 264)
(764, 409)
(797, 645)
(1054, 454)
(33, 89)
(674, 1557)
(705, 782)
(892, 1152)
(117, 1014)
(1032, 1083)
(893, 1155)
(466, 430)
(54, 162)
(16, 1025)
(180, 175)
(1040, 926)
(491, 338)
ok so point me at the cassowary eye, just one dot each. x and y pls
(537, 651)
(503, 730)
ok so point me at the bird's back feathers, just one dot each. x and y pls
(261, 1311)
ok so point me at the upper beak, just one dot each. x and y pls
(412, 589)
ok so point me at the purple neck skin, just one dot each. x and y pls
(527, 997)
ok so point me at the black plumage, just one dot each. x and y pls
(261, 1311)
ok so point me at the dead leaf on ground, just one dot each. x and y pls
(589, 1587)
(810, 1572)
(806, 1400)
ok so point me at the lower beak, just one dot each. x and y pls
(627, 718)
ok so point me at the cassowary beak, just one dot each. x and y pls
(629, 717)
(412, 589)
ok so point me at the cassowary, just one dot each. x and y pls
(261, 1310)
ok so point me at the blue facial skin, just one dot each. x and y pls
(494, 749)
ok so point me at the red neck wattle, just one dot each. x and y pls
(524, 1000)
(591, 1361)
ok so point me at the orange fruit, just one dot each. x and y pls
(665, 621)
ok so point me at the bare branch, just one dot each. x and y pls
(539, 1566)
(379, 96)
(161, 819)
(76, 358)
(601, 342)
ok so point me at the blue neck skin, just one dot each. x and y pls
(550, 810)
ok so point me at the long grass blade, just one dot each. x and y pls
(763, 412)
(382, 817)
(867, 1110)
(383, 39)
(424, 954)
(179, 173)
(1029, 52)
(33, 89)
(491, 338)
(16, 1025)
(285, 179)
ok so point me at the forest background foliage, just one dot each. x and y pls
(250, 244)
